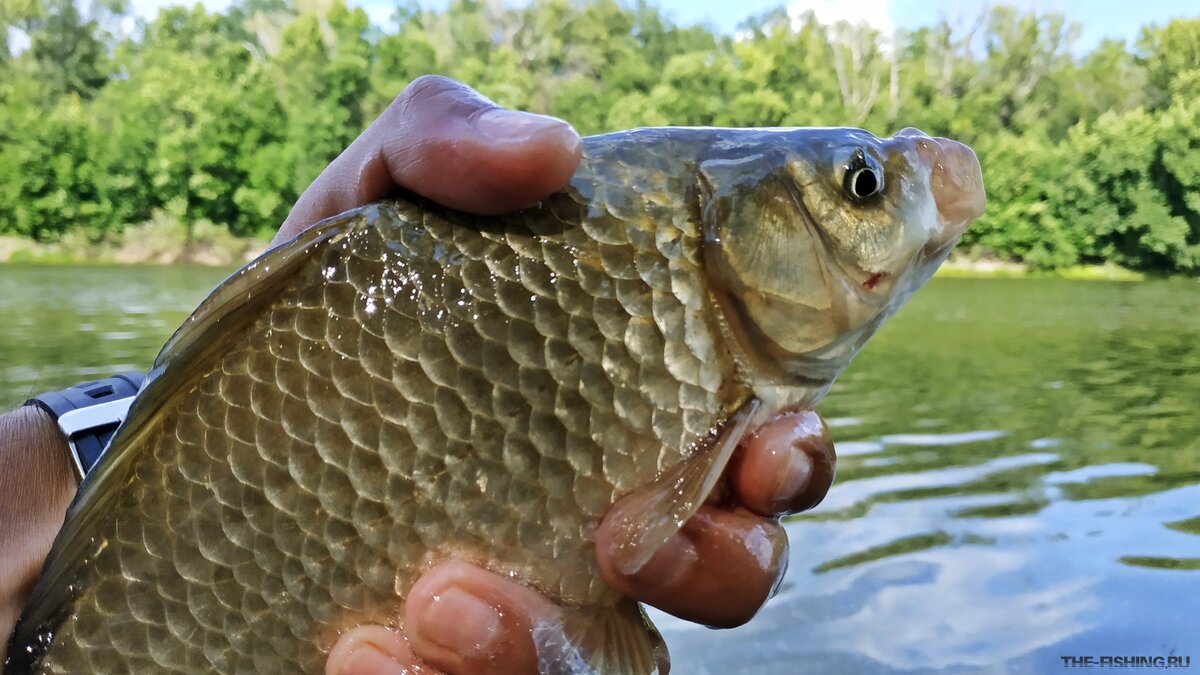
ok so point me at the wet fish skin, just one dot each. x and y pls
(405, 383)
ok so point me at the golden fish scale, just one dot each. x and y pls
(418, 389)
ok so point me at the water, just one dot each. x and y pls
(1019, 480)
(62, 325)
(1019, 473)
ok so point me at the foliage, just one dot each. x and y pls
(220, 120)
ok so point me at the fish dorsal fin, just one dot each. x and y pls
(649, 516)
(235, 303)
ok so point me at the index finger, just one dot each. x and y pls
(444, 141)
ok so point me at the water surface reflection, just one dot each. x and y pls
(1019, 472)
(1018, 481)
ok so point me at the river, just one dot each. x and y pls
(1018, 478)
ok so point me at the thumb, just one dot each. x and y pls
(445, 141)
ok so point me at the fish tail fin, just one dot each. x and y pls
(613, 640)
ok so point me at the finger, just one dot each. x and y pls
(718, 570)
(786, 466)
(374, 650)
(445, 141)
(466, 620)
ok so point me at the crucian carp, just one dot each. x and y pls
(403, 384)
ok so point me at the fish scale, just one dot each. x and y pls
(489, 395)
(404, 384)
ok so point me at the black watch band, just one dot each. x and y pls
(89, 413)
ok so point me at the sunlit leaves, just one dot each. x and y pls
(1171, 57)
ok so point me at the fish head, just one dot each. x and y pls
(813, 237)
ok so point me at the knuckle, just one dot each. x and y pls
(425, 87)
(433, 91)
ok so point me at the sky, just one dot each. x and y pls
(1119, 19)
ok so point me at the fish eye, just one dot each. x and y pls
(863, 178)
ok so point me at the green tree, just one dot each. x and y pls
(1129, 189)
(224, 117)
(321, 73)
(68, 50)
(47, 183)
(1171, 57)
(1024, 74)
(1027, 219)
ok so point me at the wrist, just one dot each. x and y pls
(36, 479)
(30, 436)
(33, 451)
(36, 486)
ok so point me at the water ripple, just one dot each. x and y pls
(848, 494)
(1085, 474)
(944, 439)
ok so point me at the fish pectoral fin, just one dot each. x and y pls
(617, 640)
(645, 519)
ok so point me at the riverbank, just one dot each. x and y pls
(164, 242)
(965, 268)
(159, 241)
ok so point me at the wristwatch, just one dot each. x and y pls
(89, 413)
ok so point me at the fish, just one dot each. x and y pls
(405, 384)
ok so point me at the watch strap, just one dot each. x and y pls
(89, 413)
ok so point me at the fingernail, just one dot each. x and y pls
(669, 564)
(461, 622)
(370, 660)
(512, 126)
(794, 478)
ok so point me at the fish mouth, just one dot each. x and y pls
(956, 181)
